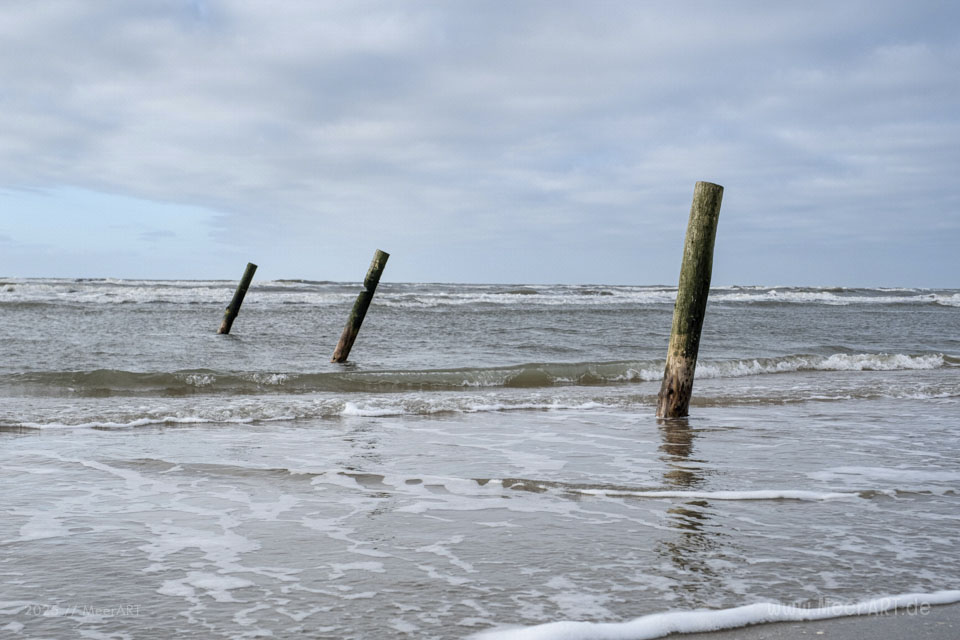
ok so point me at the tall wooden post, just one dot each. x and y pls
(234, 308)
(673, 400)
(360, 307)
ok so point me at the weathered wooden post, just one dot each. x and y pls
(234, 308)
(360, 307)
(673, 400)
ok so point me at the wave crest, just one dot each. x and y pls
(111, 382)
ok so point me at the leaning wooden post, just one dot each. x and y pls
(234, 308)
(673, 400)
(360, 307)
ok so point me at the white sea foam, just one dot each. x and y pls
(199, 379)
(41, 526)
(142, 422)
(952, 300)
(352, 409)
(214, 585)
(270, 379)
(662, 624)
(112, 291)
(647, 371)
(316, 515)
(831, 297)
(835, 362)
(887, 474)
(500, 487)
(762, 494)
(559, 297)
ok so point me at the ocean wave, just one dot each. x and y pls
(835, 362)
(702, 620)
(107, 382)
(411, 295)
(560, 297)
(220, 292)
(613, 491)
(766, 494)
(900, 475)
(952, 300)
(290, 410)
(142, 422)
(836, 298)
(121, 412)
(502, 486)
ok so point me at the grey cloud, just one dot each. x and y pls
(537, 124)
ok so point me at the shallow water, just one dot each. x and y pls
(502, 468)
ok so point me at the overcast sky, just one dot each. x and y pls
(486, 141)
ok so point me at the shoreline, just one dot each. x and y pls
(940, 622)
(938, 614)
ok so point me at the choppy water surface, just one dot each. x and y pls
(489, 458)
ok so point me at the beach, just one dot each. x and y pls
(938, 623)
(487, 462)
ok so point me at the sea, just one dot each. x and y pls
(487, 464)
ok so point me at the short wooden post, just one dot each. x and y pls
(673, 400)
(360, 307)
(234, 308)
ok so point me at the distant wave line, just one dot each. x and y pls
(411, 295)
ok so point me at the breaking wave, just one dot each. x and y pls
(112, 382)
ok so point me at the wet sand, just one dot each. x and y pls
(938, 623)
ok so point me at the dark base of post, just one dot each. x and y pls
(673, 401)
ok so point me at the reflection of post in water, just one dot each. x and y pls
(697, 540)
(364, 441)
(682, 472)
(364, 449)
